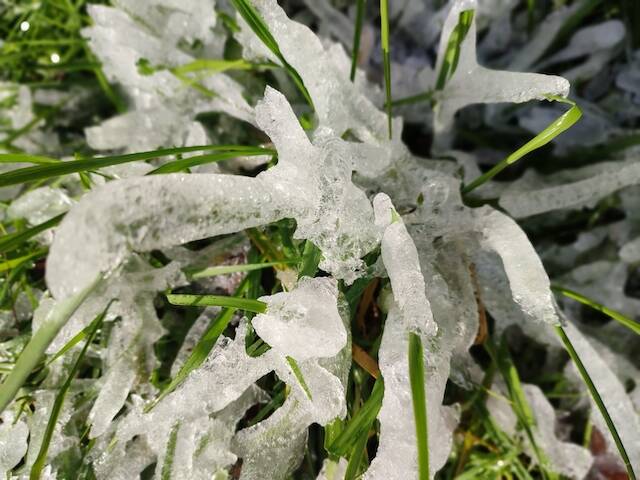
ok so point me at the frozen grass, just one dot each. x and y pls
(273, 250)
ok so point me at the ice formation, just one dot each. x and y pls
(353, 193)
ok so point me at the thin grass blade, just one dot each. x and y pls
(386, 60)
(597, 399)
(260, 28)
(40, 172)
(357, 33)
(562, 123)
(418, 395)
(247, 267)
(184, 163)
(452, 52)
(192, 300)
(360, 423)
(15, 240)
(617, 316)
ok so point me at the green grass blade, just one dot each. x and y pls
(191, 300)
(33, 352)
(40, 172)
(386, 60)
(213, 66)
(260, 28)
(360, 423)
(247, 267)
(15, 240)
(420, 97)
(355, 458)
(357, 33)
(416, 376)
(452, 52)
(617, 316)
(597, 399)
(298, 373)
(562, 123)
(184, 163)
(16, 262)
(40, 461)
(26, 158)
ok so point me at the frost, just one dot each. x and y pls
(528, 202)
(13, 441)
(39, 205)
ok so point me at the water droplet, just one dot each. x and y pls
(55, 58)
(24, 26)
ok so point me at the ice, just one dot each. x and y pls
(575, 194)
(164, 105)
(39, 205)
(565, 458)
(528, 280)
(302, 323)
(471, 83)
(630, 251)
(396, 457)
(401, 261)
(311, 183)
(207, 406)
(13, 441)
(333, 470)
(613, 394)
(325, 72)
(596, 42)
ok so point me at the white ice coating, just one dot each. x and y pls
(311, 183)
(13, 441)
(528, 280)
(566, 458)
(471, 83)
(216, 395)
(338, 102)
(302, 323)
(528, 202)
(396, 457)
(164, 106)
(39, 205)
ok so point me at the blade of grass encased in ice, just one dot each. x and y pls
(260, 28)
(167, 465)
(452, 52)
(295, 368)
(357, 32)
(617, 316)
(586, 378)
(519, 403)
(562, 123)
(419, 398)
(41, 459)
(41, 339)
